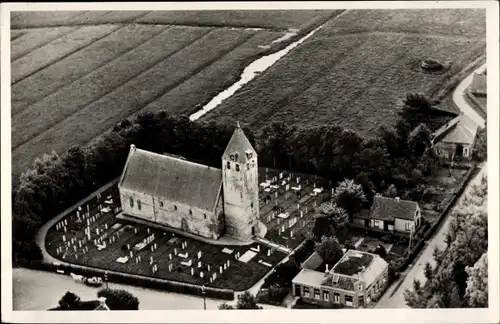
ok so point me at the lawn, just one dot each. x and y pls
(84, 79)
(268, 19)
(354, 71)
(126, 235)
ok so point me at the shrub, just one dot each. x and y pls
(118, 299)
(431, 65)
(303, 252)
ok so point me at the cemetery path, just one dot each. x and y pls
(393, 297)
(462, 104)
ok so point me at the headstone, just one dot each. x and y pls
(64, 238)
(211, 279)
(131, 254)
(135, 230)
(298, 206)
(106, 226)
(291, 233)
(148, 230)
(268, 252)
(175, 251)
(170, 256)
(201, 274)
(228, 263)
(192, 272)
(140, 258)
(66, 222)
(170, 267)
(199, 264)
(215, 275)
(208, 267)
(220, 269)
(150, 259)
(258, 247)
(301, 214)
(199, 254)
(152, 248)
(225, 266)
(275, 194)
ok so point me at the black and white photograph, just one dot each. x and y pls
(292, 158)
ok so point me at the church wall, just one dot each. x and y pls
(144, 201)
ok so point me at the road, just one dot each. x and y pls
(40, 290)
(416, 270)
(459, 98)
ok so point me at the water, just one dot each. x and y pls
(251, 71)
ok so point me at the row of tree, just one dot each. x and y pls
(394, 158)
(116, 299)
(460, 277)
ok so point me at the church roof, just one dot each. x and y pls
(172, 178)
(239, 146)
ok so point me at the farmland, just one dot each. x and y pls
(86, 71)
(357, 67)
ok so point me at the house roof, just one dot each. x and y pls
(460, 130)
(238, 148)
(312, 262)
(388, 209)
(478, 83)
(174, 179)
(376, 267)
(309, 277)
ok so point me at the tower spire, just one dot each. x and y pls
(238, 124)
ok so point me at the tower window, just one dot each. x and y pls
(228, 165)
(248, 166)
(251, 204)
(205, 215)
(190, 212)
(131, 202)
(161, 203)
(139, 204)
(175, 207)
(237, 167)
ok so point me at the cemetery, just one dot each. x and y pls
(92, 236)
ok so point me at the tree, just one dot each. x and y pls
(428, 271)
(337, 215)
(225, 306)
(419, 140)
(69, 300)
(285, 272)
(322, 227)
(380, 250)
(349, 196)
(247, 301)
(476, 293)
(330, 250)
(118, 299)
(391, 191)
(480, 152)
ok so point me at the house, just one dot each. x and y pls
(355, 280)
(195, 198)
(391, 215)
(455, 138)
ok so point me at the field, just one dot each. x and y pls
(67, 239)
(357, 67)
(86, 71)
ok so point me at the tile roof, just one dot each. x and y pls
(238, 147)
(384, 208)
(373, 271)
(460, 130)
(174, 179)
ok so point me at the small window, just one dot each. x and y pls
(131, 202)
(306, 292)
(190, 212)
(326, 296)
(348, 300)
(251, 204)
(138, 204)
(248, 166)
(161, 203)
(408, 226)
(336, 297)
(205, 216)
(375, 222)
(228, 166)
(237, 167)
(316, 294)
(466, 152)
(175, 207)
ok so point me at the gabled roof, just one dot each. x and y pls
(174, 179)
(384, 208)
(238, 148)
(308, 277)
(460, 130)
(312, 262)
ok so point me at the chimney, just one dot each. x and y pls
(132, 147)
(397, 199)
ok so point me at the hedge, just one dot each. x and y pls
(136, 280)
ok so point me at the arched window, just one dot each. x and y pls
(175, 207)
(190, 212)
(251, 204)
(138, 204)
(237, 167)
(131, 202)
(248, 166)
(205, 215)
(228, 165)
(161, 203)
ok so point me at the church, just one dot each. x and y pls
(192, 197)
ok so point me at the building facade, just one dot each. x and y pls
(391, 215)
(456, 138)
(333, 287)
(192, 197)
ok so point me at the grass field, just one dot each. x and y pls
(83, 77)
(355, 69)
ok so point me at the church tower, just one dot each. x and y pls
(240, 187)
